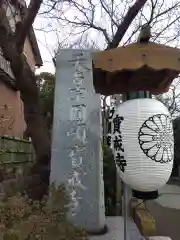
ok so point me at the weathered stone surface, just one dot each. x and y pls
(76, 145)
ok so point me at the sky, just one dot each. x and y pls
(48, 42)
(45, 50)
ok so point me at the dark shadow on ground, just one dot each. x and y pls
(167, 220)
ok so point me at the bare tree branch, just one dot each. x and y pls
(27, 22)
(172, 99)
(131, 14)
(109, 12)
(153, 6)
(166, 27)
(176, 5)
(52, 7)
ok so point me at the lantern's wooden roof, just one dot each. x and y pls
(134, 56)
(151, 67)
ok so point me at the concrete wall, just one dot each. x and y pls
(11, 112)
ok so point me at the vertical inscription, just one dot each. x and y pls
(117, 142)
(77, 132)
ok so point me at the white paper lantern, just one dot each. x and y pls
(143, 143)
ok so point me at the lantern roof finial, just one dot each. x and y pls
(145, 34)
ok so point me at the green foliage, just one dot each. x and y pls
(109, 180)
(24, 219)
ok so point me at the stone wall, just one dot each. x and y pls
(16, 158)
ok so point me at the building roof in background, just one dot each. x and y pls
(35, 48)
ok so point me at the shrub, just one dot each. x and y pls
(24, 219)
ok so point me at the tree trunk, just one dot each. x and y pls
(36, 126)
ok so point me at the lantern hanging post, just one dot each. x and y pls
(144, 37)
(126, 190)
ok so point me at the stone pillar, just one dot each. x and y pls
(76, 145)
